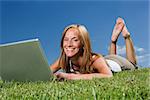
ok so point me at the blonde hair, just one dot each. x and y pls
(87, 51)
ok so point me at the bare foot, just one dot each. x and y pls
(117, 29)
(125, 32)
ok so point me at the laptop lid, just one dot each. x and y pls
(24, 61)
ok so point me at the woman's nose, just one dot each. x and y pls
(69, 43)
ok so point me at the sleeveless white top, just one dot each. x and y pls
(114, 66)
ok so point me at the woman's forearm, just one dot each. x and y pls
(88, 76)
(72, 76)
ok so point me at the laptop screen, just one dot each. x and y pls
(23, 61)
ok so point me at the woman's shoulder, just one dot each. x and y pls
(97, 61)
(95, 57)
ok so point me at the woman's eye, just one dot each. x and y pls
(65, 39)
(76, 40)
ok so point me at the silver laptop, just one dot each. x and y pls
(24, 61)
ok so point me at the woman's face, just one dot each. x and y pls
(71, 42)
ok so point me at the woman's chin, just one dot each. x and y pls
(70, 56)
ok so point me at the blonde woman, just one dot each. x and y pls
(79, 62)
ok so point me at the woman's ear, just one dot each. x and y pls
(82, 49)
(82, 46)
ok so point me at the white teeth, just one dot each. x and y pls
(69, 49)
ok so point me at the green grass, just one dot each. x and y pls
(126, 85)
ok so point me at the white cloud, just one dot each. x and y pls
(143, 58)
(121, 50)
(139, 50)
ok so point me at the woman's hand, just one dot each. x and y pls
(68, 76)
(72, 76)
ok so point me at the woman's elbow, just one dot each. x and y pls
(110, 75)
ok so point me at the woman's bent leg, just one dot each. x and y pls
(115, 34)
(112, 49)
(130, 53)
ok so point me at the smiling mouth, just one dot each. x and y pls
(69, 49)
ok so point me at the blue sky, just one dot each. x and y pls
(22, 20)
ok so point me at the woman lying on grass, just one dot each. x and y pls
(79, 62)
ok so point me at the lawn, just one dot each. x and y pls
(126, 85)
